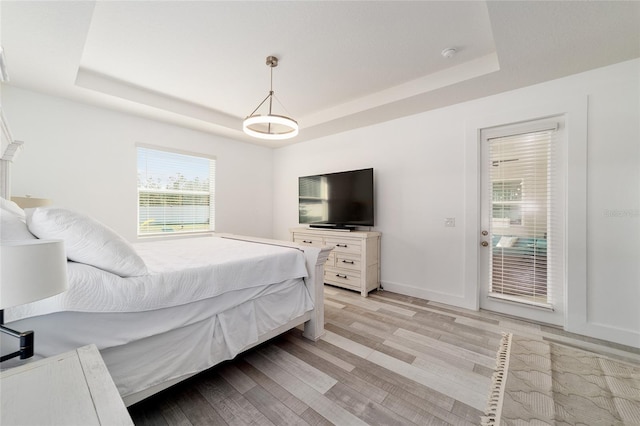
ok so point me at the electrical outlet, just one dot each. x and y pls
(450, 222)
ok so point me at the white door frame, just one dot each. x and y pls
(575, 154)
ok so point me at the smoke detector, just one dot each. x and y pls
(448, 52)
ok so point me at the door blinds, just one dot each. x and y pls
(521, 194)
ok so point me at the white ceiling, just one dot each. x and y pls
(343, 64)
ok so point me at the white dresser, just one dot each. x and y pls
(354, 263)
(73, 388)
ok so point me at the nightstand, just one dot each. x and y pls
(73, 388)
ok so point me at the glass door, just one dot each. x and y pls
(519, 222)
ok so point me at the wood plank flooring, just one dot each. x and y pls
(387, 359)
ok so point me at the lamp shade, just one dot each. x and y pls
(31, 270)
(273, 127)
(31, 202)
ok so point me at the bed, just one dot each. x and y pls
(162, 311)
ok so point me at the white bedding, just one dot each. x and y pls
(180, 272)
(202, 301)
(143, 349)
(109, 329)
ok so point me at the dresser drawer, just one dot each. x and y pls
(347, 261)
(306, 239)
(343, 278)
(344, 245)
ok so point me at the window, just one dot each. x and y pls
(176, 192)
(507, 202)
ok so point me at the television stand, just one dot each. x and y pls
(354, 262)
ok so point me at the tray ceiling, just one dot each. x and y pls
(343, 65)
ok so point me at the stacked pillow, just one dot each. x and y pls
(85, 239)
(13, 226)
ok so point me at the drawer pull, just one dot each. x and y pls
(307, 241)
(341, 245)
(350, 262)
(341, 276)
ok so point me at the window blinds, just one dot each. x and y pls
(175, 192)
(523, 216)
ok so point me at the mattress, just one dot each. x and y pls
(180, 272)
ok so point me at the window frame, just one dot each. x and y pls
(191, 193)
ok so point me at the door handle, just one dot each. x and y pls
(484, 244)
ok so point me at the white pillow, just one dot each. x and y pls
(506, 242)
(12, 208)
(13, 228)
(86, 240)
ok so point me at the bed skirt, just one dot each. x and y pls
(178, 341)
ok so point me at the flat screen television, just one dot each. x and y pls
(340, 200)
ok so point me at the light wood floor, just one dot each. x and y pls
(385, 360)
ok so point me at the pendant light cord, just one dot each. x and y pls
(269, 96)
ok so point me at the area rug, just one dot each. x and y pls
(539, 383)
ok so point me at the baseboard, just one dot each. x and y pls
(605, 332)
(598, 331)
(446, 298)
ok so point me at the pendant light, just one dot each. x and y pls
(270, 126)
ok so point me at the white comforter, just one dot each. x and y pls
(180, 272)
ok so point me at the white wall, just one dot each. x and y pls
(423, 170)
(84, 158)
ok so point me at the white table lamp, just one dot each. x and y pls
(30, 270)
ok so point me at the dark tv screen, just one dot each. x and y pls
(337, 200)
